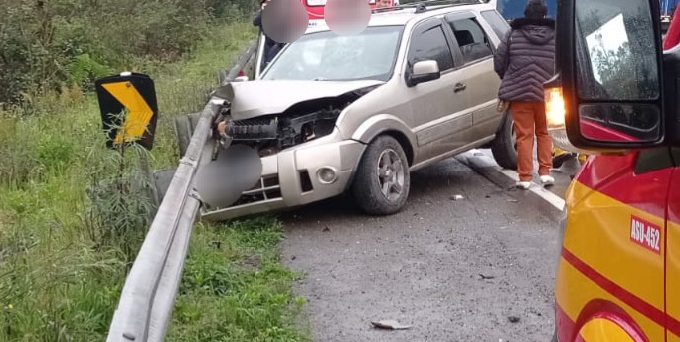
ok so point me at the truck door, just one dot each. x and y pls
(673, 255)
(614, 251)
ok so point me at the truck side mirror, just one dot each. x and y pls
(608, 92)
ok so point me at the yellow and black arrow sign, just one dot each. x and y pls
(134, 96)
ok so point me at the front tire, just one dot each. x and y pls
(382, 181)
(504, 146)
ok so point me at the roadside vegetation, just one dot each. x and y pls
(72, 215)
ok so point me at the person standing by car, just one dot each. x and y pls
(271, 47)
(525, 60)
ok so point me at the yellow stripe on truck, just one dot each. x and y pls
(574, 290)
(598, 236)
(673, 277)
(599, 233)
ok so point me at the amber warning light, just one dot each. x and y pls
(554, 107)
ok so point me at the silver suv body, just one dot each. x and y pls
(333, 114)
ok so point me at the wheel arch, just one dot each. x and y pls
(403, 140)
(598, 311)
(388, 125)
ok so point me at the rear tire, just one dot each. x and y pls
(382, 180)
(504, 146)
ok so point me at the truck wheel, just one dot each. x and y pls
(504, 146)
(382, 181)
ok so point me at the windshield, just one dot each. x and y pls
(326, 56)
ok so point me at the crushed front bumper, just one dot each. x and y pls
(291, 178)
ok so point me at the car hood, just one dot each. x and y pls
(256, 98)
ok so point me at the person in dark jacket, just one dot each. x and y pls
(271, 47)
(525, 60)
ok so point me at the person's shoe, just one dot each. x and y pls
(558, 160)
(547, 180)
(524, 185)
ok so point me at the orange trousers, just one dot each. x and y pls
(530, 120)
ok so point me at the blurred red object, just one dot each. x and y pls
(673, 35)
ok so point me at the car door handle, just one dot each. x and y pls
(459, 87)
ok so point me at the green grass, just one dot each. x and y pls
(246, 298)
(63, 261)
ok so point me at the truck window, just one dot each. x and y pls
(613, 40)
(431, 45)
(471, 38)
(498, 24)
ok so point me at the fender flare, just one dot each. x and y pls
(388, 124)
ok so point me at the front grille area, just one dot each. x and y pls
(268, 188)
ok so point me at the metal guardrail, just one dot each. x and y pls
(244, 62)
(147, 300)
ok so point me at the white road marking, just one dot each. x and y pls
(539, 190)
(486, 161)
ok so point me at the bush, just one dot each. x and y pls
(64, 256)
(54, 45)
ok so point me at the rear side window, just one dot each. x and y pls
(472, 40)
(497, 23)
(431, 45)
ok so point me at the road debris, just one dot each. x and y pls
(513, 319)
(327, 229)
(390, 324)
(456, 197)
(486, 277)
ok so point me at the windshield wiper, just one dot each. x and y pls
(320, 78)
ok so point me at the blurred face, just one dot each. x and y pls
(284, 21)
(383, 3)
(347, 17)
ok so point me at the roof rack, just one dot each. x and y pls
(422, 6)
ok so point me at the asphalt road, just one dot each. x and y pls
(476, 269)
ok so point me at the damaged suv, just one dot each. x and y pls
(334, 114)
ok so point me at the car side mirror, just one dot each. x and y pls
(608, 91)
(423, 71)
(241, 79)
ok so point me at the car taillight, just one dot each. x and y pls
(555, 110)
